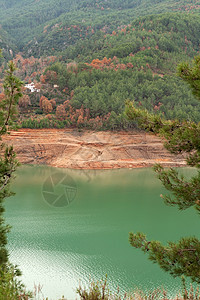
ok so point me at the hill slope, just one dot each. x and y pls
(101, 55)
(91, 80)
(45, 22)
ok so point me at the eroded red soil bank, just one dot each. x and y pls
(68, 148)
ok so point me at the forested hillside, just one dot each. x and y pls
(86, 58)
(46, 26)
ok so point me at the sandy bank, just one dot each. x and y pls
(68, 148)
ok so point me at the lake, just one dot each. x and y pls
(73, 225)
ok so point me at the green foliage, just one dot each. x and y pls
(181, 137)
(191, 74)
(104, 91)
(12, 91)
(180, 258)
(177, 259)
(130, 63)
(42, 27)
(11, 288)
(44, 123)
(160, 39)
(8, 163)
(143, 57)
(8, 45)
(185, 193)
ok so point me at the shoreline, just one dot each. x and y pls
(91, 150)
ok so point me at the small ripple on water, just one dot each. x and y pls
(66, 270)
(62, 271)
(59, 247)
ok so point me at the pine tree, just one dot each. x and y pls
(181, 258)
(8, 163)
(10, 285)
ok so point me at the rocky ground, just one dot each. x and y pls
(68, 148)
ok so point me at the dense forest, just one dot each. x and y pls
(87, 58)
(39, 26)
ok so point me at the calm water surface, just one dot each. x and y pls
(60, 246)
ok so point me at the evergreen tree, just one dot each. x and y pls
(12, 92)
(11, 287)
(183, 257)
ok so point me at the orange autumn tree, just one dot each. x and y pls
(60, 112)
(45, 105)
(53, 102)
(24, 101)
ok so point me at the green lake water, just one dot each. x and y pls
(76, 229)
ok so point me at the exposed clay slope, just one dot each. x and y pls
(69, 148)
